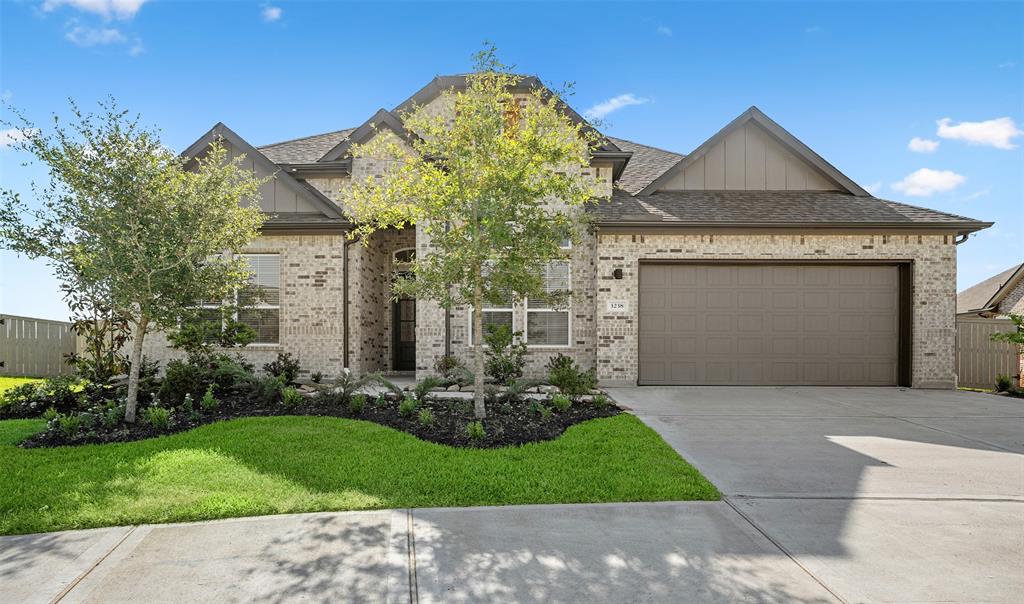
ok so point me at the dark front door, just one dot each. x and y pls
(403, 334)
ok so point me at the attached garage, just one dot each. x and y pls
(773, 324)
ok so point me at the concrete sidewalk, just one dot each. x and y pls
(656, 552)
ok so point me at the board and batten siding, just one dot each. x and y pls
(978, 359)
(749, 159)
(275, 196)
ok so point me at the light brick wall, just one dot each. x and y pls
(934, 290)
(312, 326)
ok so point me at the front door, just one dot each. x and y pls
(403, 334)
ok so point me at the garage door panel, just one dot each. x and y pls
(815, 324)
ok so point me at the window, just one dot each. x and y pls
(260, 302)
(494, 314)
(547, 325)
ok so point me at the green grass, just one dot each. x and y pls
(277, 465)
(6, 383)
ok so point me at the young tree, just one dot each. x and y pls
(496, 185)
(124, 215)
(1015, 337)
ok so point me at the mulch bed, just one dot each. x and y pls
(516, 423)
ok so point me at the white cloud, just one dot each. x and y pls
(137, 48)
(874, 187)
(814, 29)
(120, 9)
(1007, 65)
(977, 194)
(926, 182)
(922, 145)
(91, 36)
(664, 30)
(13, 136)
(613, 104)
(271, 13)
(998, 133)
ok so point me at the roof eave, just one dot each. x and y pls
(957, 227)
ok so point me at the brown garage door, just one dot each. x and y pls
(769, 324)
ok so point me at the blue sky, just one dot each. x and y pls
(856, 82)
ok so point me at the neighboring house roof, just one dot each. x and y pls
(646, 164)
(987, 294)
(770, 208)
(303, 189)
(305, 150)
(780, 134)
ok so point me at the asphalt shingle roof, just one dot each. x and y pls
(305, 150)
(711, 208)
(976, 296)
(646, 164)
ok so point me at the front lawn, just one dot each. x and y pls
(273, 465)
(6, 382)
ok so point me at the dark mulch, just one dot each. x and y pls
(515, 423)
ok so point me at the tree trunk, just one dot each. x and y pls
(479, 408)
(133, 372)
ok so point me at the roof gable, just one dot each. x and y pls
(382, 119)
(990, 292)
(263, 164)
(757, 132)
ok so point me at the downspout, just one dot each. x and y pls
(344, 297)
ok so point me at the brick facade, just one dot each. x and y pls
(312, 325)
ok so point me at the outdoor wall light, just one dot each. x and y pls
(617, 273)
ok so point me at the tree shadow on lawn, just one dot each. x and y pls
(261, 466)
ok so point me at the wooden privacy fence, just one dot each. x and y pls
(978, 359)
(34, 347)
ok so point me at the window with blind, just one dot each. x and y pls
(259, 302)
(547, 325)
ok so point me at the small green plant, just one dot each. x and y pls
(600, 401)
(563, 372)
(449, 367)
(424, 386)
(506, 357)
(267, 389)
(317, 377)
(188, 405)
(291, 397)
(112, 415)
(157, 417)
(408, 405)
(208, 402)
(475, 431)
(285, 366)
(380, 401)
(68, 424)
(1003, 383)
(505, 409)
(426, 417)
(356, 404)
(50, 414)
(544, 411)
(561, 402)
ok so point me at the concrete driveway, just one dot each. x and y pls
(832, 495)
(881, 494)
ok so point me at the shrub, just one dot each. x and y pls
(267, 389)
(229, 374)
(66, 394)
(284, 366)
(1003, 383)
(505, 358)
(505, 408)
(600, 401)
(317, 377)
(208, 402)
(357, 404)
(188, 405)
(475, 431)
(68, 424)
(291, 397)
(563, 372)
(157, 417)
(449, 367)
(425, 386)
(408, 405)
(113, 415)
(182, 379)
(561, 402)
(381, 400)
(426, 417)
(544, 411)
(50, 414)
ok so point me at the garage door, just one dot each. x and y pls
(769, 324)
